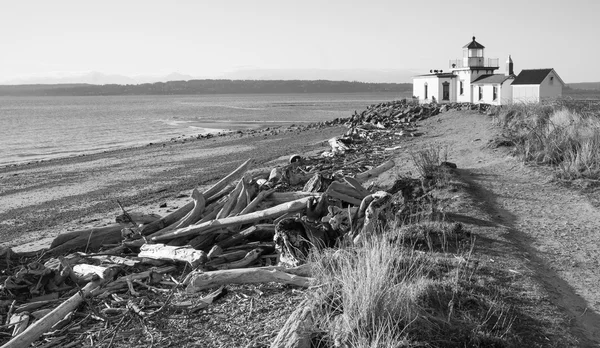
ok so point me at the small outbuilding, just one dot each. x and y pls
(535, 85)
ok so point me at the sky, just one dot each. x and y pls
(210, 38)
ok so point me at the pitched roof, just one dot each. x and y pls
(488, 79)
(531, 76)
(473, 44)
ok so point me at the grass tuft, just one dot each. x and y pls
(564, 134)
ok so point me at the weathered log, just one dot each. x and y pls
(181, 212)
(240, 236)
(269, 213)
(246, 261)
(84, 270)
(198, 281)
(89, 239)
(347, 189)
(256, 201)
(226, 257)
(173, 253)
(33, 332)
(241, 201)
(231, 200)
(298, 328)
(191, 217)
(371, 173)
(122, 281)
(138, 218)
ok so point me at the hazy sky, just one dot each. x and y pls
(206, 38)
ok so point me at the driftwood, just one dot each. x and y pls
(248, 259)
(90, 239)
(191, 217)
(173, 253)
(371, 173)
(256, 201)
(198, 281)
(298, 329)
(33, 332)
(181, 212)
(269, 213)
(238, 237)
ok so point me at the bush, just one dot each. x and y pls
(563, 134)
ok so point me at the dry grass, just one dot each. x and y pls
(564, 134)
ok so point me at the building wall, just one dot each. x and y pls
(525, 93)
(434, 88)
(506, 95)
(551, 87)
(488, 94)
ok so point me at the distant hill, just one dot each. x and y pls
(205, 87)
(585, 85)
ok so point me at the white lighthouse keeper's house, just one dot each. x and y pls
(472, 79)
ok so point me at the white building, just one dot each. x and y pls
(472, 79)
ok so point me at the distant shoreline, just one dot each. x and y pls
(205, 87)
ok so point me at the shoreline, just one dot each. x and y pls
(45, 198)
(207, 128)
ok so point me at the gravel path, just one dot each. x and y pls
(553, 231)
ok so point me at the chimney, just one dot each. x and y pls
(509, 66)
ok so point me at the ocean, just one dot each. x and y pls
(42, 128)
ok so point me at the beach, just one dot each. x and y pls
(43, 199)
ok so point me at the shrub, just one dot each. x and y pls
(560, 134)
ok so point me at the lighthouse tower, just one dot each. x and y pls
(472, 66)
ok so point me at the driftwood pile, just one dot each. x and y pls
(250, 227)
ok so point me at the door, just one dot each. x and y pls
(445, 91)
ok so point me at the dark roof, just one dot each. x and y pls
(531, 76)
(487, 79)
(473, 44)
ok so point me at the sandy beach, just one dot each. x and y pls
(41, 200)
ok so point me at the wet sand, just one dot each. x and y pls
(40, 200)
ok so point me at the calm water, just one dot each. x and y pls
(39, 128)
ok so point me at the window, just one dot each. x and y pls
(426, 91)
(495, 93)
(551, 80)
(462, 88)
(480, 93)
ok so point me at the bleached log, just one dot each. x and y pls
(191, 217)
(198, 281)
(371, 173)
(231, 200)
(241, 200)
(84, 270)
(89, 239)
(269, 213)
(225, 258)
(173, 253)
(256, 201)
(181, 212)
(33, 332)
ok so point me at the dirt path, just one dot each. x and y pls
(552, 232)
